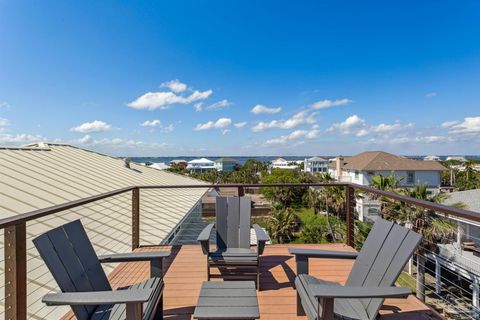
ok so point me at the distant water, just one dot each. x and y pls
(242, 160)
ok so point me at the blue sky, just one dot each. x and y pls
(242, 78)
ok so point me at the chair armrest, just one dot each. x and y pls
(326, 254)
(98, 297)
(302, 255)
(329, 291)
(155, 258)
(262, 238)
(134, 256)
(204, 238)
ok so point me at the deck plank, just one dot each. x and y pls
(186, 269)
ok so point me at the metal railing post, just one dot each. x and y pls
(135, 218)
(350, 218)
(241, 191)
(16, 272)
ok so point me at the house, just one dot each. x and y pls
(281, 163)
(159, 166)
(179, 162)
(39, 176)
(362, 167)
(201, 165)
(456, 158)
(315, 165)
(226, 164)
(432, 158)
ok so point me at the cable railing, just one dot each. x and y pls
(128, 217)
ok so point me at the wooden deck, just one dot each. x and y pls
(186, 270)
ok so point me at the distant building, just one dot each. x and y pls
(281, 163)
(226, 164)
(363, 167)
(179, 162)
(159, 166)
(432, 158)
(315, 165)
(200, 165)
(456, 158)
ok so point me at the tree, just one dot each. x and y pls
(432, 227)
(286, 196)
(282, 224)
(313, 199)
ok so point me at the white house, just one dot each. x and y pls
(363, 167)
(200, 165)
(432, 158)
(281, 163)
(315, 165)
(456, 158)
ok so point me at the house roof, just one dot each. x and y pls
(471, 199)
(41, 176)
(383, 161)
(201, 160)
(317, 159)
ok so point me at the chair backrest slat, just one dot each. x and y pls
(233, 222)
(383, 256)
(71, 259)
(244, 223)
(221, 213)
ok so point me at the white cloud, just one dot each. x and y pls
(94, 126)
(323, 104)
(224, 132)
(4, 122)
(163, 100)
(219, 105)
(469, 125)
(151, 123)
(198, 106)
(299, 118)
(219, 124)
(430, 94)
(294, 135)
(174, 85)
(353, 124)
(448, 124)
(358, 126)
(240, 124)
(168, 128)
(259, 109)
(19, 138)
(86, 139)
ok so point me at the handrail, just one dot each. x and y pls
(32, 215)
(457, 212)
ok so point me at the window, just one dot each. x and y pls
(356, 174)
(410, 177)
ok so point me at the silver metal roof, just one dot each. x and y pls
(44, 175)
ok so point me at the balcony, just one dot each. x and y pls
(27, 280)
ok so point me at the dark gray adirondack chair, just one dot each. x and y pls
(70, 257)
(233, 237)
(377, 266)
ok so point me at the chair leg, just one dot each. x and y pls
(258, 278)
(208, 271)
(300, 310)
(159, 313)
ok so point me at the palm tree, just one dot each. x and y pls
(313, 199)
(384, 183)
(282, 224)
(431, 226)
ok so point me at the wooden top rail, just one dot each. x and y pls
(24, 217)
